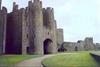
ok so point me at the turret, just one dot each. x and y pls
(89, 43)
(35, 18)
(15, 6)
(48, 17)
(0, 4)
(38, 22)
(36, 1)
(3, 21)
(60, 38)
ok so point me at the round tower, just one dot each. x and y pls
(3, 21)
(38, 27)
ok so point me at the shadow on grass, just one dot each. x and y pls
(96, 57)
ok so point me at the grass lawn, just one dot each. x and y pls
(9, 60)
(79, 59)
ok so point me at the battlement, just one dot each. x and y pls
(89, 38)
(30, 3)
(40, 3)
(22, 9)
(36, 1)
(4, 9)
(15, 6)
(49, 9)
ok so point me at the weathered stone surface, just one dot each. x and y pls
(0, 4)
(3, 21)
(31, 29)
(89, 44)
(86, 45)
(60, 38)
(50, 29)
(14, 32)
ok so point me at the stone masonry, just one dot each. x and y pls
(30, 30)
(86, 45)
(0, 4)
(33, 30)
(3, 21)
(60, 38)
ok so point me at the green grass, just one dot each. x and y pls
(9, 60)
(79, 59)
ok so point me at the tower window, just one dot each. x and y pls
(27, 35)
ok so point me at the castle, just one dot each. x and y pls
(33, 30)
(30, 30)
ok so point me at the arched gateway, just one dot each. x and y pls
(47, 46)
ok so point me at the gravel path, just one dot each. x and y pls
(34, 62)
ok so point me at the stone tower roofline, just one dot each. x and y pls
(49, 9)
(15, 6)
(37, 3)
(89, 37)
(21, 9)
(79, 41)
(36, 0)
(4, 9)
(41, 4)
(30, 3)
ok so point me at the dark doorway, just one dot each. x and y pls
(76, 48)
(47, 46)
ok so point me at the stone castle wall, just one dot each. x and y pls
(30, 30)
(33, 30)
(14, 31)
(60, 38)
(86, 45)
(3, 21)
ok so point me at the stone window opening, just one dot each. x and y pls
(27, 35)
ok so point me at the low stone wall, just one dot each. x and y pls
(96, 55)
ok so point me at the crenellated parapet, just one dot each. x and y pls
(15, 7)
(48, 16)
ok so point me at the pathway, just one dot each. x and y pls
(34, 62)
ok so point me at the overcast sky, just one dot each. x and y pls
(78, 18)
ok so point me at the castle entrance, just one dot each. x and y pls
(47, 46)
(76, 48)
